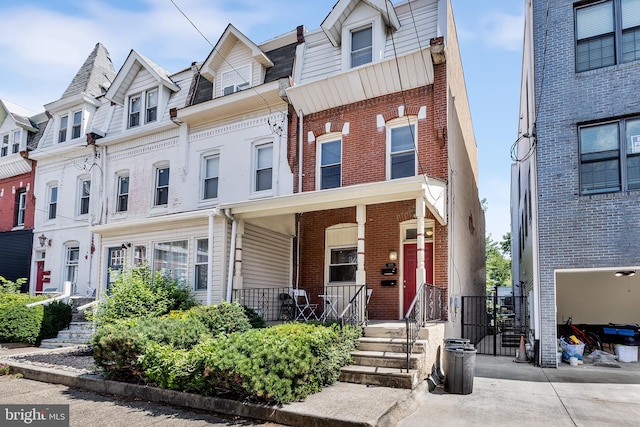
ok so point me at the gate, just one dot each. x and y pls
(495, 324)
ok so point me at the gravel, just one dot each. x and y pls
(75, 360)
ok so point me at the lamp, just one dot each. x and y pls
(43, 239)
(126, 245)
(429, 232)
(393, 255)
(625, 273)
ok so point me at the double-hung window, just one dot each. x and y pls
(343, 264)
(76, 129)
(202, 264)
(361, 46)
(4, 151)
(264, 167)
(402, 150)
(171, 258)
(330, 164)
(162, 186)
(71, 266)
(607, 33)
(610, 157)
(210, 181)
(84, 194)
(236, 80)
(151, 106)
(53, 202)
(21, 206)
(123, 193)
(17, 138)
(147, 102)
(62, 132)
(135, 103)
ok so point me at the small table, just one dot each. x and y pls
(331, 306)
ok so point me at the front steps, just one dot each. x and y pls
(381, 357)
(78, 333)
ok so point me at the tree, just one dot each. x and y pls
(498, 266)
(505, 244)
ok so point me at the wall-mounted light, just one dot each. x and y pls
(126, 245)
(428, 232)
(625, 273)
(393, 255)
(44, 239)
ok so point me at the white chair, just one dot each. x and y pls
(304, 310)
(366, 312)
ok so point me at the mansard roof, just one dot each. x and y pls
(95, 75)
(132, 65)
(332, 24)
(21, 116)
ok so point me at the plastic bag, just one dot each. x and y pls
(602, 358)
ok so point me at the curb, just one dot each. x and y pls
(286, 414)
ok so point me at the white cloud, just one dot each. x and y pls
(502, 30)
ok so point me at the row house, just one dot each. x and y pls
(327, 158)
(576, 176)
(19, 128)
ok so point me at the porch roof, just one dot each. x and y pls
(433, 191)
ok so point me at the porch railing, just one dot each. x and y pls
(427, 306)
(330, 303)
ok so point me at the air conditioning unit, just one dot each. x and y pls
(235, 88)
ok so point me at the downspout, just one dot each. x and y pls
(297, 251)
(300, 145)
(232, 254)
(212, 214)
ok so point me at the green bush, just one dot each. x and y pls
(137, 292)
(19, 323)
(255, 319)
(56, 317)
(223, 318)
(11, 287)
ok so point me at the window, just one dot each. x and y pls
(62, 132)
(77, 125)
(264, 167)
(211, 172)
(71, 266)
(21, 206)
(85, 191)
(162, 186)
(139, 255)
(152, 106)
(123, 194)
(361, 46)
(343, 264)
(134, 111)
(202, 259)
(604, 166)
(607, 33)
(402, 157)
(53, 201)
(330, 164)
(17, 137)
(5, 146)
(236, 80)
(171, 258)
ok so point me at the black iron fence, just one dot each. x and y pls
(331, 303)
(494, 325)
(428, 305)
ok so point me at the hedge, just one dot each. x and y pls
(19, 323)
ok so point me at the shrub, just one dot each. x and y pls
(11, 287)
(255, 319)
(137, 292)
(223, 318)
(4, 369)
(19, 323)
(56, 317)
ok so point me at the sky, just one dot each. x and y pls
(43, 43)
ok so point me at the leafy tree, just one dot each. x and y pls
(498, 265)
(10, 287)
(505, 244)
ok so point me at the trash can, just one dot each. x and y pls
(450, 342)
(459, 369)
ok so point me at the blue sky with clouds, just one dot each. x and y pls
(43, 43)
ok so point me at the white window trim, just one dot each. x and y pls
(19, 142)
(70, 115)
(80, 196)
(156, 168)
(237, 87)
(203, 176)
(254, 168)
(4, 145)
(63, 128)
(378, 40)
(119, 176)
(142, 113)
(328, 262)
(73, 124)
(50, 187)
(21, 206)
(196, 263)
(396, 123)
(330, 137)
(68, 247)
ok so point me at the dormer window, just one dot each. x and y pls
(62, 133)
(17, 136)
(5, 145)
(150, 107)
(77, 125)
(361, 46)
(236, 80)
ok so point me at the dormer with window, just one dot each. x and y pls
(235, 64)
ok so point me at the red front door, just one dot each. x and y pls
(410, 264)
(39, 277)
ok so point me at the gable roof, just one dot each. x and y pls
(332, 24)
(95, 75)
(132, 65)
(21, 116)
(221, 51)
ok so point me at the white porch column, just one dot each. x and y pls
(421, 275)
(210, 260)
(237, 278)
(361, 218)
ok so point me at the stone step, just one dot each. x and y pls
(75, 335)
(386, 377)
(384, 359)
(384, 331)
(395, 345)
(81, 326)
(56, 343)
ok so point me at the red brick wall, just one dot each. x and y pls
(8, 205)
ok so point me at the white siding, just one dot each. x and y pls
(143, 80)
(240, 56)
(266, 258)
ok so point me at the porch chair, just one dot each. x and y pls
(287, 307)
(304, 310)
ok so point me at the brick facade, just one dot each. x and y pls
(8, 201)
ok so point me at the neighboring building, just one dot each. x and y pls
(18, 132)
(575, 182)
(67, 192)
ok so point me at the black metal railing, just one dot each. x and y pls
(330, 303)
(427, 306)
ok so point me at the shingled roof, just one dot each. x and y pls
(94, 76)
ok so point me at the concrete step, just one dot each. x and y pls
(394, 345)
(76, 334)
(385, 330)
(386, 377)
(384, 359)
(55, 343)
